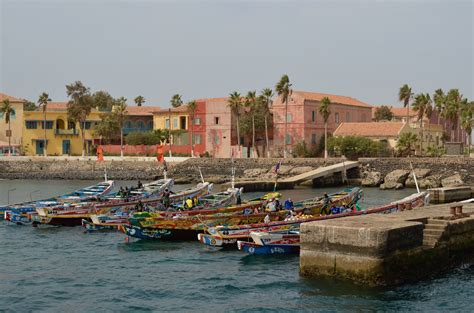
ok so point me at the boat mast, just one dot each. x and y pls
(414, 178)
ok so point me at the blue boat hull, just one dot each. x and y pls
(160, 234)
(269, 249)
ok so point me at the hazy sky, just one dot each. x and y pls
(363, 49)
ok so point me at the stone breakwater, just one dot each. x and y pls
(214, 170)
(395, 173)
(384, 172)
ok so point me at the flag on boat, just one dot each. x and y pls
(277, 167)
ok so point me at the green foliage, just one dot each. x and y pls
(176, 101)
(406, 143)
(29, 106)
(324, 109)
(405, 94)
(145, 138)
(300, 150)
(108, 128)
(7, 110)
(435, 151)
(283, 88)
(43, 100)
(354, 147)
(103, 101)
(139, 100)
(383, 113)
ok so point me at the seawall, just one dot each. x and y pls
(389, 249)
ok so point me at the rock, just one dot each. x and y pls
(394, 178)
(300, 170)
(420, 174)
(371, 179)
(255, 172)
(429, 182)
(452, 181)
(284, 170)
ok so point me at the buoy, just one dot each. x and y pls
(127, 239)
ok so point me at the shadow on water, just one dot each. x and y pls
(264, 260)
(149, 245)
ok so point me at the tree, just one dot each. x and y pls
(192, 107)
(452, 108)
(266, 102)
(422, 105)
(43, 102)
(283, 89)
(28, 105)
(439, 99)
(79, 107)
(325, 112)
(467, 117)
(120, 112)
(103, 101)
(383, 113)
(405, 143)
(251, 104)
(176, 101)
(235, 104)
(405, 95)
(354, 147)
(7, 110)
(139, 101)
(108, 127)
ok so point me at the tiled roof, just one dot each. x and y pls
(180, 109)
(402, 112)
(143, 110)
(316, 96)
(370, 129)
(55, 106)
(221, 99)
(4, 96)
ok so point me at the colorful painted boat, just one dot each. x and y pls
(19, 213)
(283, 242)
(186, 224)
(253, 248)
(111, 221)
(229, 235)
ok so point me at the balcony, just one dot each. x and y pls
(66, 132)
(128, 130)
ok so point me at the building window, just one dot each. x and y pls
(197, 139)
(217, 140)
(49, 124)
(197, 121)
(175, 123)
(288, 139)
(71, 125)
(348, 117)
(313, 139)
(167, 124)
(87, 125)
(216, 120)
(182, 122)
(289, 118)
(31, 124)
(313, 116)
(336, 118)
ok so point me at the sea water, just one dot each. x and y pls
(63, 269)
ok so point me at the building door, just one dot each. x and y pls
(39, 147)
(66, 147)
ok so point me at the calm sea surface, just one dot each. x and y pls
(66, 270)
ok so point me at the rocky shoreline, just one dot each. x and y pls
(386, 173)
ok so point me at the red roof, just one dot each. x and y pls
(55, 106)
(143, 110)
(370, 129)
(316, 96)
(179, 109)
(4, 96)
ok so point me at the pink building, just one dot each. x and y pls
(305, 123)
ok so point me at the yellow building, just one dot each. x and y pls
(16, 119)
(179, 121)
(63, 137)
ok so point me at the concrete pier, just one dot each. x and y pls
(388, 249)
(450, 194)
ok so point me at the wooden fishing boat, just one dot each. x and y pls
(206, 202)
(229, 235)
(282, 242)
(19, 213)
(186, 224)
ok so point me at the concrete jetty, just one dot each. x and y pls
(389, 249)
(340, 170)
(450, 194)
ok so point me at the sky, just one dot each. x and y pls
(363, 49)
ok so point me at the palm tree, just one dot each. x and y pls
(283, 89)
(325, 112)
(139, 101)
(43, 102)
(405, 143)
(405, 95)
(452, 107)
(120, 111)
(439, 99)
(422, 105)
(7, 110)
(235, 104)
(467, 117)
(175, 102)
(266, 102)
(251, 103)
(192, 107)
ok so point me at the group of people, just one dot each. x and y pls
(274, 205)
(126, 192)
